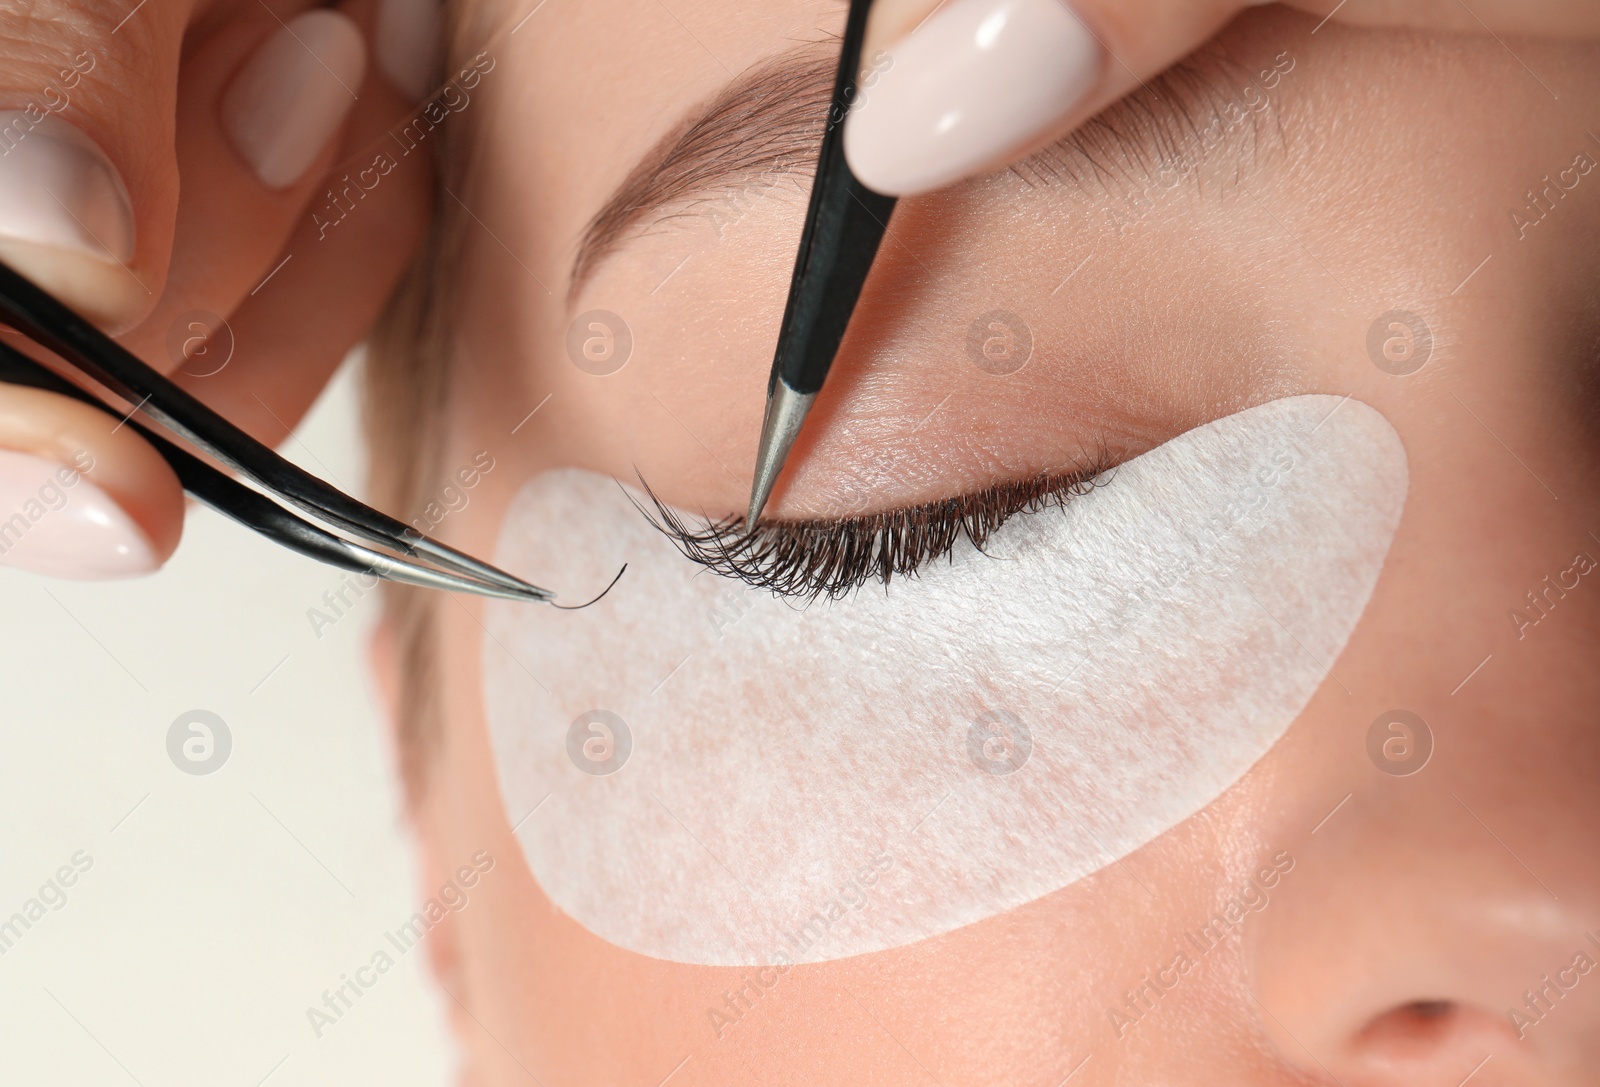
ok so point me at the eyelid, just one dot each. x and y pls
(834, 557)
(739, 135)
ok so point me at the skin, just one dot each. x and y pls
(150, 102)
(123, 461)
(1145, 37)
(1384, 176)
(209, 232)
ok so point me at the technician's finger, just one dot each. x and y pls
(953, 88)
(956, 87)
(88, 181)
(297, 271)
(343, 259)
(80, 495)
(88, 194)
(261, 104)
(278, 85)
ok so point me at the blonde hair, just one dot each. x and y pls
(405, 403)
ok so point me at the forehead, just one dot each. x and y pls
(583, 88)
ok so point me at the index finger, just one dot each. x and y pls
(954, 88)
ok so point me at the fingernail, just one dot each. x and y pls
(977, 80)
(293, 94)
(407, 44)
(54, 521)
(61, 201)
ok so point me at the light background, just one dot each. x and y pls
(219, 907)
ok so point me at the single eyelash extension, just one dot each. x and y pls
(812, 558)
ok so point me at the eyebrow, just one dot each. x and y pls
(767, 122)
(765, 126)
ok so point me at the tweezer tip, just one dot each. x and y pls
(786, 411)
(758, 502)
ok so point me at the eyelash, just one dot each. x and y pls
(808, 559)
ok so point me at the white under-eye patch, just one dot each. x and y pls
(718, 776)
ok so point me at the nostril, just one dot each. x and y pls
(1410, 1030)
(1426, 1032)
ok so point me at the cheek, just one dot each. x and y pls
(716, 765)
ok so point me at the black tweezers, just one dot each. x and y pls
(48, 322)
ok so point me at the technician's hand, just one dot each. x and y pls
(160, 166)
(961, 87)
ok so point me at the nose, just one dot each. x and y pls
(1414, 947)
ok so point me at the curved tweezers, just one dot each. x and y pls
(46, 321)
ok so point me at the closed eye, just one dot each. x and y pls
(806, 559)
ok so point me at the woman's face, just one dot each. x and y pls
(1406, 221)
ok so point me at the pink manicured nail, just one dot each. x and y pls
(58, 189)
(66, 221)
(977, 80)
(54, 521)
(409, 44)
(291, 97)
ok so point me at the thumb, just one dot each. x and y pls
(88, 199)
(952, 88)
(88, 180)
